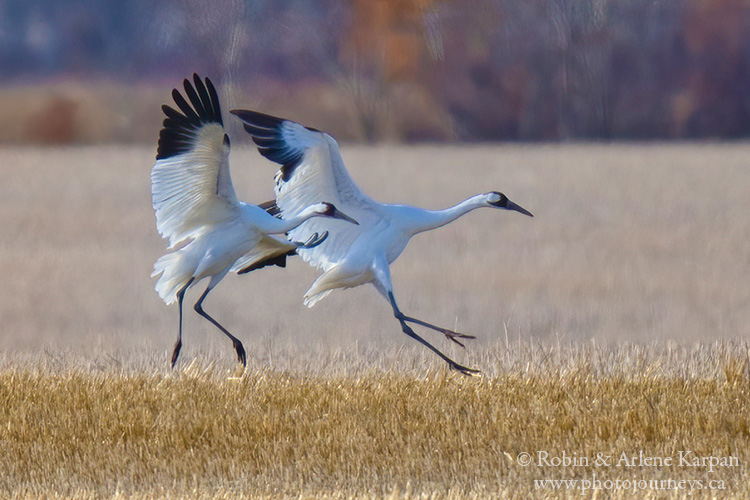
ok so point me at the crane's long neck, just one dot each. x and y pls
(433, 219)
(291, 223)
(286, 225)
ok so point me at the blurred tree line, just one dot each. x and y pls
(479, 70)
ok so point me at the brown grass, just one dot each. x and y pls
(615, 320)
(205, 432)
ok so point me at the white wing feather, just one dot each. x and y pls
(194, 189)
(312, 171)
(190, 182)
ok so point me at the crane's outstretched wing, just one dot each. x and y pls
(190, 181)
(312, 171)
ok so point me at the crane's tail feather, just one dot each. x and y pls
(311, 300)
(172, 276)
(335, 277)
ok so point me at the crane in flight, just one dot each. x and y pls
(312, 168)
(209, 229)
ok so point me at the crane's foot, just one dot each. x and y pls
(240, 352)
(452, 364)
(176, 352)
(451, 335)
(469, 372)
(312, 241)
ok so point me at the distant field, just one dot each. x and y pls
(628, 243)
(615, 320)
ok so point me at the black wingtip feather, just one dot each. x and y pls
(279, 260)
(258, 119)
(214, 99)
(267, 134)
(195, 100)
(179, 127)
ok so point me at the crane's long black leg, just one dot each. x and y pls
(178, 344)
(407, 330)
(237, 344)
(450, 334)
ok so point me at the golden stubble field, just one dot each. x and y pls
(614, 321)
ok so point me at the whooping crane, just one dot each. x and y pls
(312, 168)
(196, 208)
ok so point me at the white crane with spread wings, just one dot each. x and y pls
(196, 208)
(311, 169)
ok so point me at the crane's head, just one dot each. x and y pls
(499, 200)
(326, 209)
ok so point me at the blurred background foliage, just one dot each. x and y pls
(85, 71)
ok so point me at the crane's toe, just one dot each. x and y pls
(454, 336)
(176, 352)
(469, 372)
(240, 352)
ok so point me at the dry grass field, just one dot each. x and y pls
(617, 320)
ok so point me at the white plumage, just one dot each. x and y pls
(312, 168)
(196, 207)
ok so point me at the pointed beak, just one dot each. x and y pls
(518, 208)
(338, 214)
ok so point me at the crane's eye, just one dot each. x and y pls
(497, 199)
(329, 210)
